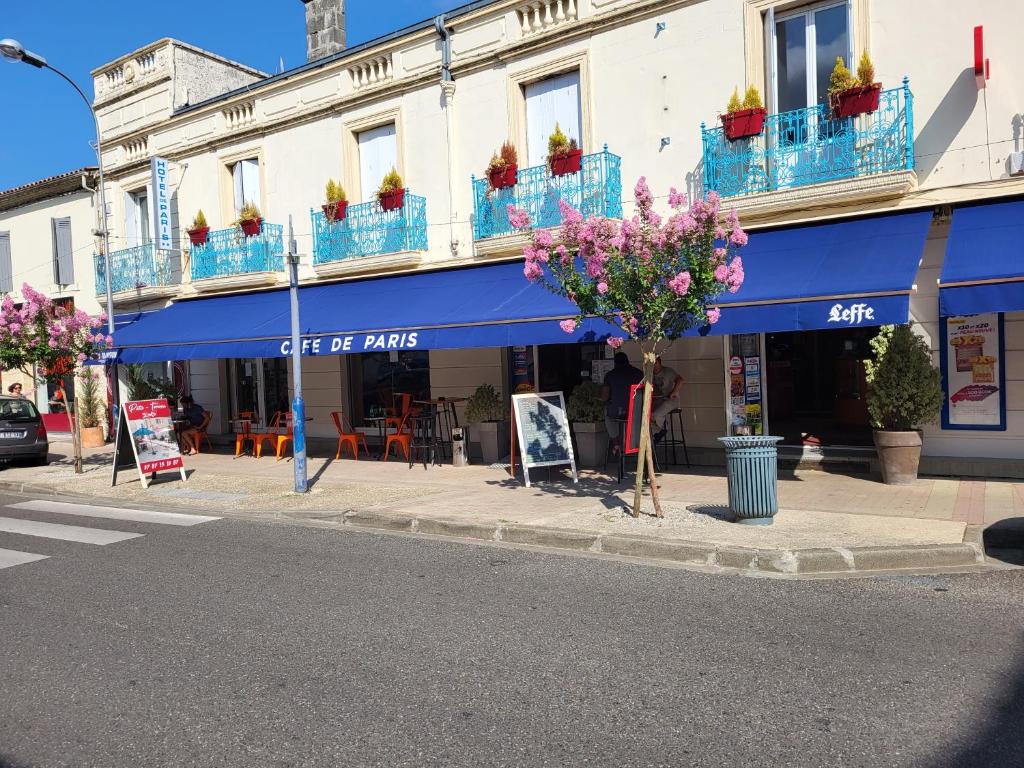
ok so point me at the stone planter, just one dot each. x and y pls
(591, 443)
(899, 455)
(492, 436)
(92, 437)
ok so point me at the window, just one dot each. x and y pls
(136, 218)
(550, 101)
(260, 385)
(378, 376)
(6, 270)
(378, 154)
(18, 410)
(245, 176)
(806, 46)
(63, 261)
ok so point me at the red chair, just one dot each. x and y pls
(345, 437)
(272, 433)
(395, 416)
(287, 436)
(403, 437)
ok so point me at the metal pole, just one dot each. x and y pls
(115, 392)
(298, 405)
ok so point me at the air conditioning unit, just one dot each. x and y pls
(1016, 163)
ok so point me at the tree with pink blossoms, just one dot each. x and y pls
(652, 277)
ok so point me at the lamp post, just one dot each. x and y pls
(298, 404)
(14, 51)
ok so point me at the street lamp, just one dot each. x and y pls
(14, 51)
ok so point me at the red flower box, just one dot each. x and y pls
(503, 177)
(336, 211)
(198, 236)
(566, 163)
(392, 201)
(251, 227)
(856, 101)
(743, 124)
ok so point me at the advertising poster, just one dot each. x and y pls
(745, 380)
(543, 431)
(972, 352)
(146, 426)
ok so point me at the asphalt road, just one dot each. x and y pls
(232, 643)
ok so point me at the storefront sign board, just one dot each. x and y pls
(146, 438)
(972, 356)
(543, 431)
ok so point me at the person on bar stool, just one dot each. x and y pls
(667, 386)
(615, 393)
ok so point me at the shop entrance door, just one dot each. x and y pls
(817, 389)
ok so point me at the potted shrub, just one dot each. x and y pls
(336, 207)
(199, 230)
(849, 96)
(905, 391)
(486, 412)
(391, 193)
(585, 409)
(250, 219)
(743, 119)
(503, 169)
(564, 156)
(88, 410)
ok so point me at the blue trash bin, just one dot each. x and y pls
(752, 463)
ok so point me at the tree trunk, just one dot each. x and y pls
(76, 434)
(645, 432)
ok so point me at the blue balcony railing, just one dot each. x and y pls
(229, 252)
(810, 146)
(596, 190)
(134, 269)
(368, 230)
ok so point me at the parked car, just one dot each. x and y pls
(22, 434)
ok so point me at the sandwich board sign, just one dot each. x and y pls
(146, 439)
(543, 431)
(635, 418)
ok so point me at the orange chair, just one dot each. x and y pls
(272, 433)
(245, 433)
(287, 436)
(351, 439)
(395, 416)
(403, 437)
(203, 433)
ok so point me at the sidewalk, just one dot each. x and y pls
(827, 522)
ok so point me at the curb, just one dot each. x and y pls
(779, 562)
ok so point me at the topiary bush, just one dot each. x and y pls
(585, 404)
(905, 389)
(484, 405)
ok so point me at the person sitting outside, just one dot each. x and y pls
(194, 416)
(667, 387)
(615, 393)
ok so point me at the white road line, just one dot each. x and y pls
(113, 513)
(64, 532)
(11, 557)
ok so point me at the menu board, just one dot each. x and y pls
(745, 382)
(973, 374)
(543, 431)
(145, 431)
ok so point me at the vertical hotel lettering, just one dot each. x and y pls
(161, 203)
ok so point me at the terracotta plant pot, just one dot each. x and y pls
(336, 211)
(899, 454)
(856, 101)
(198, 236)
(92, 437)
(251, 227)
(566, 163)
(392, 201)
(503, 177)
(743, 124)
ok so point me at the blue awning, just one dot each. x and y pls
(487, 306)
(984, 266)
(848, 273)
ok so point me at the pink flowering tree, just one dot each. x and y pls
(652, 277)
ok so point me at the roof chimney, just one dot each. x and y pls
(325, 28)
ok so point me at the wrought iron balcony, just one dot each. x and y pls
(811, 146)
(229, 252)
(136, 269)
(594, 190)
(368, 230)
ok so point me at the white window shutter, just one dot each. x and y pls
(6, 270)
(63, 259)
(251, 182)
(236, 179)
(550, 102)
(378, 154)
(131, 221)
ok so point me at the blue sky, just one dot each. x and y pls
(46, 129)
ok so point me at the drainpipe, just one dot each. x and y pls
(448, 92)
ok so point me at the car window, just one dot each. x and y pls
(17, 409)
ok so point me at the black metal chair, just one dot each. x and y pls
(424, 436)
(671, 440)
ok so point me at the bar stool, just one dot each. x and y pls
(622, 452)
(424, 437)
(674, 419)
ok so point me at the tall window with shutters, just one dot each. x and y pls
(136, 218)
(378, 154)
(554, 100)
(63, 259)
(245, 176)
(6, 270)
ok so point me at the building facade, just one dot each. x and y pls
(639, 85)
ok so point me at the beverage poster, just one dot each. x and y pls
(973, 375)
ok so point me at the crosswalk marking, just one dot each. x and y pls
(113, 513)
(10, 557)
(64, 532)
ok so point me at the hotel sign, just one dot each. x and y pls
(161, 203)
